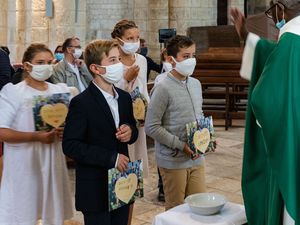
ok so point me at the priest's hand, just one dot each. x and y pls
(239, 21)
(122, 163)
(124, 133)
(190, 153)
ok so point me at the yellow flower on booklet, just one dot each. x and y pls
(201, 136)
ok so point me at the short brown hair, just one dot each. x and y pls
(34, 49)
(177, 42)
(121, 26)
(95, 50)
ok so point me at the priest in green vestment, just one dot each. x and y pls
(271, 163)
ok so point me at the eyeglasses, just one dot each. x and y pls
(72, 46)
(269, 12)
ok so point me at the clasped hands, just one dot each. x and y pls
(123, 135)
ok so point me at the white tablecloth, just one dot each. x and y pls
(231, 214)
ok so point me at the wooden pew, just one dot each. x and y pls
(224, 91)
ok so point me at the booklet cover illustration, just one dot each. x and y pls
(124, 187)
(140, 106)
(50, 111)
(201, 135)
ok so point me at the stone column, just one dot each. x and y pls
(184, 14)
(158, 18)
(3, 22)
(102, 15)
(28, 24)
(64, 25)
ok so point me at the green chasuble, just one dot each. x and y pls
(271, 170)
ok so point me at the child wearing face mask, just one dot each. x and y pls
(35, 182)
(99, 126)
(176, 101)
(166, 68)
(135, 75)
(58, 53)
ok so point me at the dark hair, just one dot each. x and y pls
(121, 26)
(67, 43)
(32, 50)
(58, 46)
(142, 40)
(96, 50)
(175, 43)
(5, 48)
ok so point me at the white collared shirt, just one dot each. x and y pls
(76, 71)
(112, 101)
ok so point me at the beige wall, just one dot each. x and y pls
(23, 21)
(3, 22)
(29, 24)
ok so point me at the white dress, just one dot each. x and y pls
(138, 150)
(35, 182)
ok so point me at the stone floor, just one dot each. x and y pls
(223, 175)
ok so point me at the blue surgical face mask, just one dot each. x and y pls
(59, 56)
(280, 24)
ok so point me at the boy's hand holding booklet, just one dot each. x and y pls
(201, 136)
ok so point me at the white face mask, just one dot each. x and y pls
(167, 66)
(41, 72)
(114, 73)
(130, 48)
(185, 67)
(77, 53)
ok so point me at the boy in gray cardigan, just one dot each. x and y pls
(176, 101)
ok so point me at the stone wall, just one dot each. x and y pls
(96, 18)
(102, 15)
(28, 24)
(3, 22)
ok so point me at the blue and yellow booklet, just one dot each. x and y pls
(201, 135)
(124, 187)
(50, 111)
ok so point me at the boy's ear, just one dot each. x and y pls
(171, 60)
(96, 69)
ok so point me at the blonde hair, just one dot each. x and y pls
(96, 50)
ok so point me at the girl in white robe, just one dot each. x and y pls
(35, 183)
(135, 75)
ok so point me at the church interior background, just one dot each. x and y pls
(51, 21)
(23, 22)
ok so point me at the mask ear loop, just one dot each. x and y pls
(282, 13)
(276, 12)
